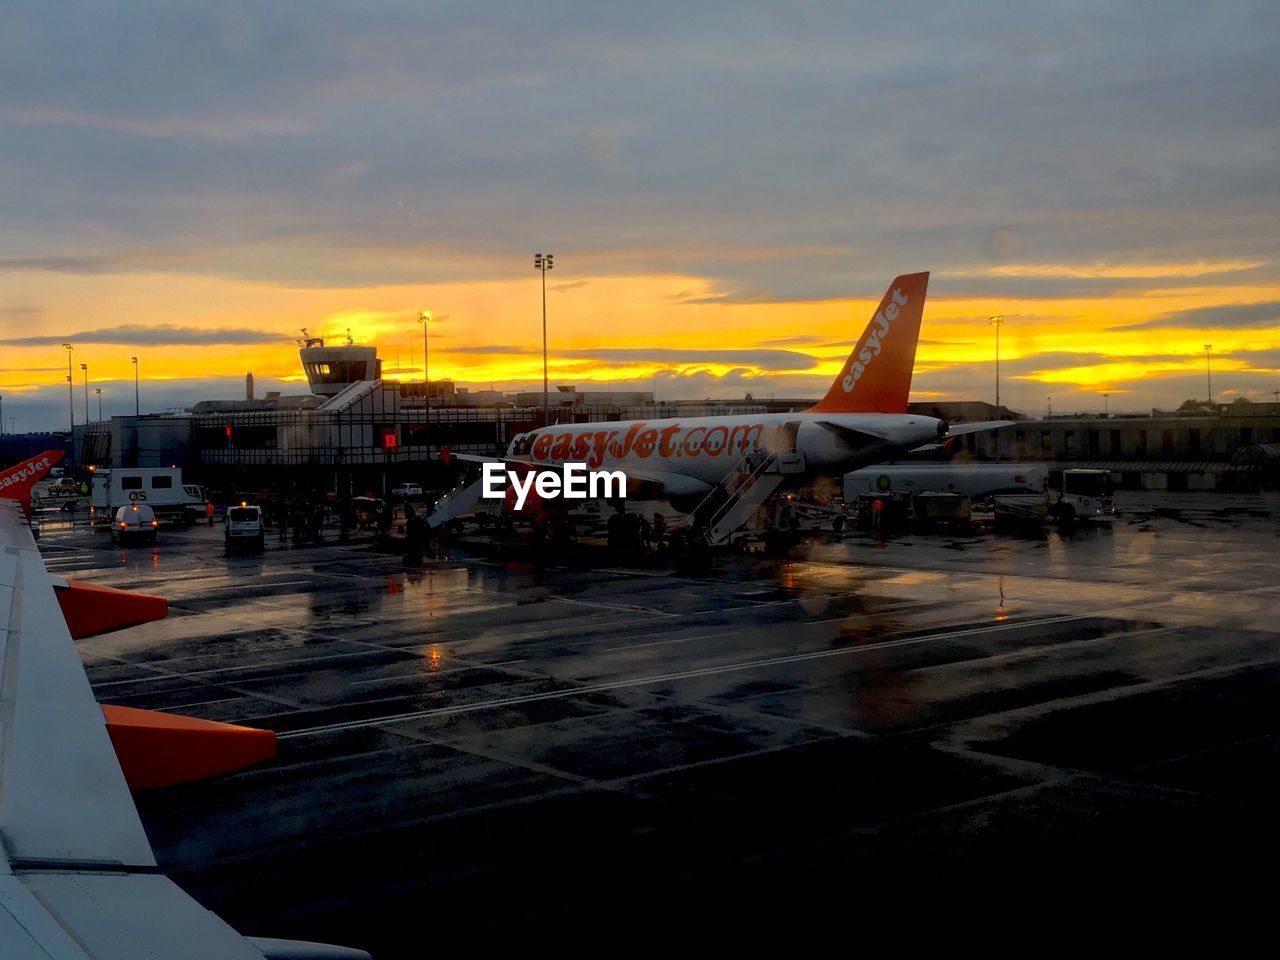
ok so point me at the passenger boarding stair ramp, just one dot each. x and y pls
(457, 501)
(737, 497)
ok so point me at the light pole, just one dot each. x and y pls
(543, 263)
(98, 391)
(137, 409)
(85, 368)
(997, 322)
(1208, 372)
(71, 390)
(1106, 409)
(424, 318)
(1049, 400)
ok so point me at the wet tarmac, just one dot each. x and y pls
(473, 747)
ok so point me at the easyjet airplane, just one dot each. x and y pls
(78, 879)
(862, 420)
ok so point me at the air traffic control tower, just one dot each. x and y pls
(330, 370)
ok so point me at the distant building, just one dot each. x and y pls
(1163, 451)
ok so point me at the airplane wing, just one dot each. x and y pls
(959, 430)
(78, 879)
(855, 438)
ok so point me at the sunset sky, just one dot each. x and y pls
(727, 188)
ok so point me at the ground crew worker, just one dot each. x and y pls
(208, 512)
(877, 511)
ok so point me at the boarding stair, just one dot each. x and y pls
(457, 501)
(734, 501)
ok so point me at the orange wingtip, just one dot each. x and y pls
(90, 609)
(163, 749)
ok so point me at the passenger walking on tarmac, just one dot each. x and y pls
(282, 520)
(659, 530)
(877, 512)
(414, 528)
(208, 512)
(346, 520)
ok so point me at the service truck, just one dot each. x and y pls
(974, 480)
(160, 488)
(1015, 491)
(1085, 495)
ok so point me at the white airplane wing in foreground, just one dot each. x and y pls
(78, 880)
(960, 429)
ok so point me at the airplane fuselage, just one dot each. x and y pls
(689, 455)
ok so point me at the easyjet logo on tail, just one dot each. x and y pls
(877, 330)
(31, 470)
(16, 482)
(877, 376)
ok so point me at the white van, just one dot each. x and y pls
(244, 528)
(160, 488)
(134, 523)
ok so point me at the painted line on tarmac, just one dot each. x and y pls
(666, 678)
(624, 607)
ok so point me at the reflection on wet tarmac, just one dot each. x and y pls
(475, 728)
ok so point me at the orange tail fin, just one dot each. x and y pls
(877, 376)
(16, 482)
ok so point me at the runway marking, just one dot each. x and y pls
(666, 678)
(624, 607)
(201, 703)
(186, 675)
(662, 643)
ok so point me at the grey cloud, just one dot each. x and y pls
(925, 136)
(1264, 359)
(119, 261)
(759, 359)
(491, 348)
(217, 128)
(800, 341)
(162, 334)
(740, 296)
(58, 264)
(1227, 317)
